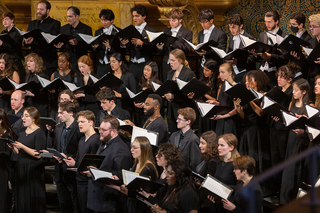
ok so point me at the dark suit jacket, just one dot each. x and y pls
(218, 36)
(209, 167)
(189, 148)
(116, 112)
(114, 42)
(102, 198)
(305, 36)
(81, 48)
(230, 48)
(70, 150)
(40, 46)
(146, 50)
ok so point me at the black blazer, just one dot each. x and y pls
(114, 42)
(81, 48)
(146, 50)
(189, 148)
(305, 36)
(102, 198)
(116, 112)
(70, 150)
(40, 46)
(209, 167)
(230, 48)
(218, 36)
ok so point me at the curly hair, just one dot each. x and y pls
(260, 77)
(211, 139)
(288, 71)
(37, 60)
(169, 151)
(235, 19)
(10, 67)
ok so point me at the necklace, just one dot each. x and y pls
(145, 126)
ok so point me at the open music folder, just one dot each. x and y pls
(153, 137)
(104, 177)
(203, 46)
(157, 38)
(239, 91)
(212, 186)
(168, 86)
(90, 160)
(194, 85)
(209, 110)
(139, 97)
(272, 108)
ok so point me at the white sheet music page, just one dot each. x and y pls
(131, 94)
(247, 41)
(288, 119)
(181, 83)
(71, 86)
(44, 82)
(152, 136)
(155, 85)
(48, 37)
(216, 187)
(314, 132)
(205, 107)
(267, 102)
(152, 36)
(100, 174)
(130, 176)
(220, 52)
(94, 79)
(311, 111)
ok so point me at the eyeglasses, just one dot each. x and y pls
(102, 130)
(313, 27)
(180, 119)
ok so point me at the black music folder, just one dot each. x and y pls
(55, 153)
(157, 38)
(251, 44)
(194, 85)
(239, 91)
(212, 186)
(202, 46)
(5, 38)
(139, 97)
(209, 110)
(48, 121)
(313, 115)
(276, 94)
(104, 177)
(6, 84)
(196, 175)
(146, 185)
(292, 122)
(292, 43)
(129, 33)
(108, 80)
(99, 39)
(36, 34)
(313, 134)
(90, 160)
(240, 54)
(272, 108)
(7, 140)
(55, 39)
(313, 54)
(169, 86)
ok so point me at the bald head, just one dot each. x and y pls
(17, 100)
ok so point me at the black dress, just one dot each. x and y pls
(4, 174)
(291, 177)
(30, 186)
(130, 82)
(227, 125)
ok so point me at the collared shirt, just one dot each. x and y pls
(141, 27)
(207, 33)
(301, 33)
(237, 41)
(274, 32)
(108, 31)
(174, 31)
(64, 135)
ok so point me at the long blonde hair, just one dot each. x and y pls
(179, 54)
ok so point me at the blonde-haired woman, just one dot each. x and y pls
(179, 69)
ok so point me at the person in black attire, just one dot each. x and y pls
(297, 26)
(209, 152)
(13, 49)
(185, 139)
(270, 62)
(30, 185)
(37, 98)
(107, 98)
(100, 197)
(65, 70)
(39, 45)
(236, 24)
(88, 144)
(121, 71)
(227, 148)
(179, 69)
(244, 169)
(140, 50)
(76, 46)
(155, 122)
(210, 32)
(175, 17)
(5, 132)
(86, 101)
(104, 52)
(181, 195)
(66, 140)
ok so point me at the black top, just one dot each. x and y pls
(76, 51)
(224, 173)
(69, 77)
(188, 201)
(207, 167)
(40, 45)
(158, 125)
(242, 204)
(86, 147)
(131, 83)
(14, 49)
(116, 112)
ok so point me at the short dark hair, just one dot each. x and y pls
(48, 5)
(9, 15)
(140, 9)
(206, 14)
(156, 97)
(274, 14)
(75, 10)
(236, 19)
(106, 94)
(106, 14)
(67, 106)
(245, 163)
(299, 17)
(113, 122)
